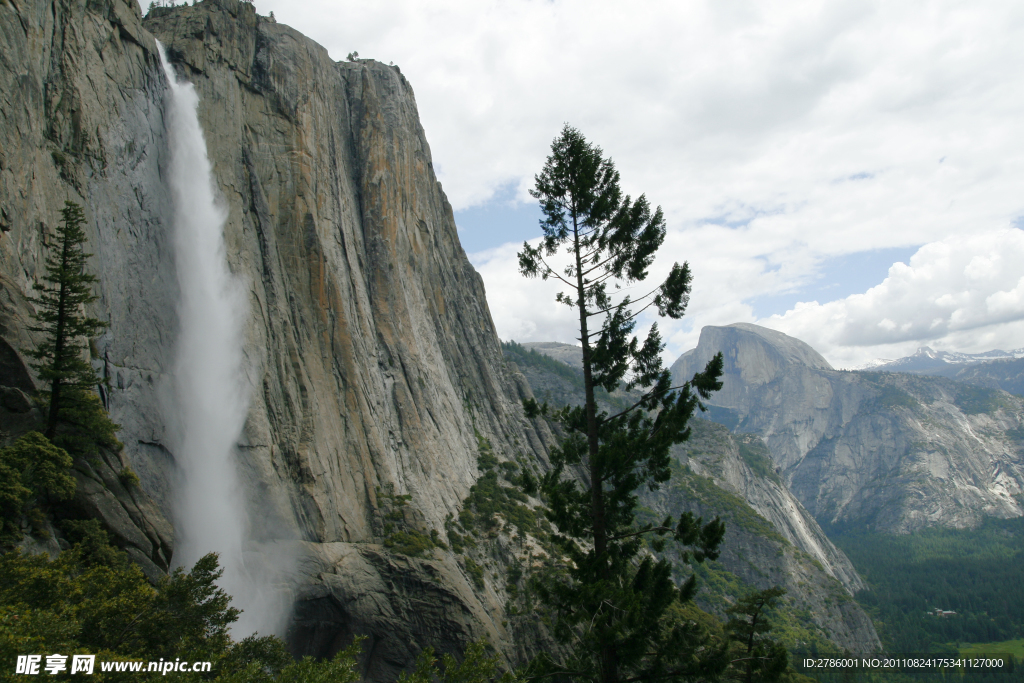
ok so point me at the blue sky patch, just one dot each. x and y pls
(837, 278)
(498, 221)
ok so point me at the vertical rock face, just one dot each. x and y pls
(770, 539)
(80, 120)
(372, 358)
(888, 451)
(372, 351)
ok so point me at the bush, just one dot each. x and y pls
(409, 542)
(33, 474)
(399, 537)
(92, 599)
(477, 666)
(475, 571)
(128, 478)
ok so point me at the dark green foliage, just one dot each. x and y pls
(13, 496)
(101, 606)
(128, 478)
(793, 627)
(890, 394)
(475, 571)
(608, 601)
(477, 666)
(894, 397)
(63, 293)
(524, 356)
(731, 507)
(485, 459)
(974, 400)
(92, 542)
(265, 665)
(457, 541)
(33, 474)
(410, 542)
(489, 500)
(755, 453)
(977, 573)
(493, 505)
(760, 658)
(903, 390)
(85, 427)
(573, 376)
(1006, 374)
(93, 600)
(399, 537)
(110, 605)
(44, 468)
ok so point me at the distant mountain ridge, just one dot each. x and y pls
(569, 354)
(886, 451)
(994, 369)
(927, 361)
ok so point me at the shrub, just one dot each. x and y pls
(128, 478)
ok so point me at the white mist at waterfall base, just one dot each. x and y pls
(210, 396)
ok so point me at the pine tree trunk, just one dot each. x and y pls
(609, 657)
(58, 347)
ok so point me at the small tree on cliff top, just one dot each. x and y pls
(66, 288)
(609, 607)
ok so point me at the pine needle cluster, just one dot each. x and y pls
(61, 358)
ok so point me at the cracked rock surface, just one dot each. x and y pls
(371, 357)
(890, 452)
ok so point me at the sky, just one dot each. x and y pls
(850, 173)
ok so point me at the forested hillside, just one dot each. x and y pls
(978, 574)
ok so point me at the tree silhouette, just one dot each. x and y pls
(60, 359)
(610, 603)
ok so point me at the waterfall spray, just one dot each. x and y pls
(210, 397)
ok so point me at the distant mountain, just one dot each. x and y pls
(1007, 375)
(993, 369)
(567, 353)
(927, 361)
(887, 451)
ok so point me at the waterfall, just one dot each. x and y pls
(209, 400)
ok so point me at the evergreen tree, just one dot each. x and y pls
(33, 474)
(65, 290)
(611, 602)
(759, 658)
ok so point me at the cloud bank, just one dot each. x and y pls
(963, 292)
(777, 136)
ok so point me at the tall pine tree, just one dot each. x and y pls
(61, 359)
(611, 603)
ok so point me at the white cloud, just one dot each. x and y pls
(964, 293)
(775, 134)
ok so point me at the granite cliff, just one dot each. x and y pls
(770, 540)
(885, 451)
(372, 361)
